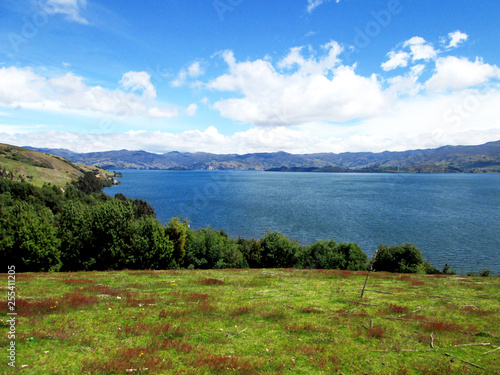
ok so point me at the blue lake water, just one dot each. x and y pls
(452, 218)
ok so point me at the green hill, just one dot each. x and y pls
(18, 164)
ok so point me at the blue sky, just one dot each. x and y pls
(238, 76)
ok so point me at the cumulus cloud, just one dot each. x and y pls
(453, 73)
(307, 89)
(194, 70)
(22, 87)
(139, 81)
(396, 59)
(420, 49)
(408, 83)
(70, 8)
(455, 38)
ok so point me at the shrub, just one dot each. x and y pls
(208, 248)
(278, 251)
(404, 258)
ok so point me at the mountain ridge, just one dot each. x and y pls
(483, 158)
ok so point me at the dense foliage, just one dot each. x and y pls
(81, 228)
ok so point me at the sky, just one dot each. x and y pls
(241, 76)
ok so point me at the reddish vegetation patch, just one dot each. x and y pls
(205, 307)
(405, 278)
(346, 274)
(376, 332)
(178, 345)
(34, 307)
(417, 282)
(51, 305)
(308, 350)
(211, 282)
(25, 276)
(398, 309)
(77, 300)
(473, 310)
(241, 310)
(310, 310)
(102, 289)
(78, 281)
(441, 326)
(195, 297)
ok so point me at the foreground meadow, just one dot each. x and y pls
(257, 321)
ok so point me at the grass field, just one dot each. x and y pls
(272, 321)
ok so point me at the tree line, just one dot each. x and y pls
(78, 227)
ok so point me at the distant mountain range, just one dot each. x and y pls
(447, 159)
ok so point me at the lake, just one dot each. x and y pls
(452, 218)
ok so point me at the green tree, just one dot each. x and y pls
(28, 239)
(278, 251)
(354, 258)
(252, 251)
(150, 247)
(89, 183)
(111, 235)
(75, 232)
(176, 229)
(404, 258)
(209, 248)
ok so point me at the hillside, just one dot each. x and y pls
(448, 159)
(18, 163)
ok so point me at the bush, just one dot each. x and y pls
(28, 239)
(278, 251)
(252, 252)
(404, 258)
(208, 248)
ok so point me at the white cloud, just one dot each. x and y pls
(420, 49)
(194, 70)
(317, 89)
(396, 59)
(70, 8)
(407, 84)
(456, 38)
(416, 122)
(191, 109)
(139, 81)
(453, 73)
(162, 112)
(313, 4)
(21, 87)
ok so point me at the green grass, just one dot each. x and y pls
(272, 321)
(39, 168)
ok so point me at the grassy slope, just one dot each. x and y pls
(254, 321)
(39, 168)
